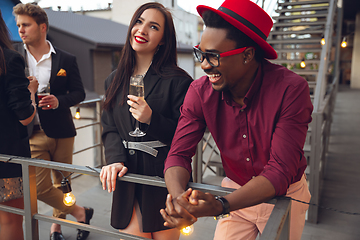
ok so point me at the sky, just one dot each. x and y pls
(188, 5)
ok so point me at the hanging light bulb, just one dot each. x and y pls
(344, 43)
(322, 40)
(186, 231)
(69, 198)
(302, 63)
(77, 114)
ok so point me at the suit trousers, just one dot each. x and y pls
(51, 149)
(245, 224)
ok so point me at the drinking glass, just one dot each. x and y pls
(45, 91)
(137, 89)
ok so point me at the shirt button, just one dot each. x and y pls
(131, 152)
(244, 136)
(247, 159)
(241, 110)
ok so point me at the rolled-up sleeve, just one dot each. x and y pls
(286, 154)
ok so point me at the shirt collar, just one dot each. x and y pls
(255, 86)
(47, 55)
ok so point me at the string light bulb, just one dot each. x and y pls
(302, 63)
(322, 41)
(77, 114)
(69, 198)
(186, 231)
(344, 43)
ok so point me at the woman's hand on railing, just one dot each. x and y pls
(109, 174)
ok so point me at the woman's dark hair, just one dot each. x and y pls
(4, 43)
(164, 61)
(213, 20)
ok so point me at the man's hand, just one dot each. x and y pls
(175, 215)
(49, 102)
(200, 204)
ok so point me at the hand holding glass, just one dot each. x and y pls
(137, 89)
(43, 93)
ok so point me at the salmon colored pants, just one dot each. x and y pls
(247, 223)
(49, 188)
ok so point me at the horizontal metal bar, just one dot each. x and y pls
(12, 210)
(87, 227)
(84, 149)
(90, 101)
(88, 125)
(129, 177)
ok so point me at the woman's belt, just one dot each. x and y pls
(148, 147)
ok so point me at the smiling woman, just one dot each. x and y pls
(149, 51)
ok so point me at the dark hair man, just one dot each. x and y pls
(258, 114)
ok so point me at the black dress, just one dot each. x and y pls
(15, 105)
(164, 96)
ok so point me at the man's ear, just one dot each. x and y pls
(43, 27)
(249, 54)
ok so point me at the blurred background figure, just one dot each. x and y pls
(52, 132)
(17, 107)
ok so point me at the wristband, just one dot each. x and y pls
(226, 208)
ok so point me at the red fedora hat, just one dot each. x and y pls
(249, 18)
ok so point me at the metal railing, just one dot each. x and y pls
(276, 228)
(96, 125)
(324, 102)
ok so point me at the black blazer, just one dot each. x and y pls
(15, 105)
(69, 90)
(164, 96)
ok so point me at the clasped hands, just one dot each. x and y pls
(184, 210)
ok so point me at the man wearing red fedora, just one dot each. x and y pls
(258, 114)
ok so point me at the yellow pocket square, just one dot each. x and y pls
(61, 72)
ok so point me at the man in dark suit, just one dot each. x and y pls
(52, 133)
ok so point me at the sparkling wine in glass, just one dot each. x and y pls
(137, 89)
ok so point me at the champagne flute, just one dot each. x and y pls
(137, 89)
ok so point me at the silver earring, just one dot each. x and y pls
(245, 62)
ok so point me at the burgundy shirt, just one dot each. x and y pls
(264, 137)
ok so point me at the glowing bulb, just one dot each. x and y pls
(344, 43)
(302, 63)
(322, 41)
(77, 114)
(69, 199)
(186, 231)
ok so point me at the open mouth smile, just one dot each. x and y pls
(140, 39)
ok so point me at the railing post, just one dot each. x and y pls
(30, 202)
(98, 133)
(197, 163)
(278, 224)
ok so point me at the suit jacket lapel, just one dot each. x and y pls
(55, 63)
(150, 80)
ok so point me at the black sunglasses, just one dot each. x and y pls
(214, 58)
